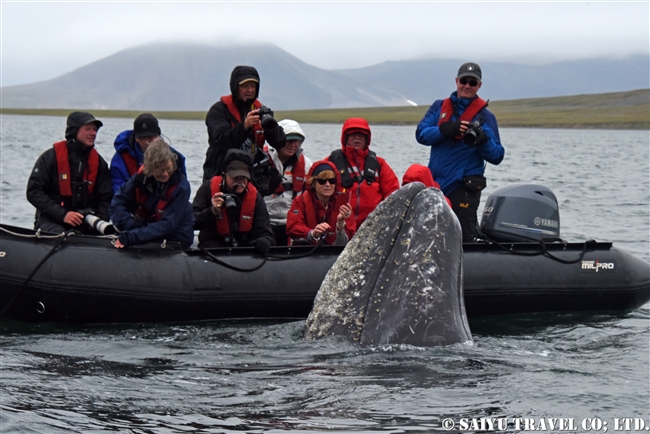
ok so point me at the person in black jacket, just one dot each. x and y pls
(228, 209)
(234, 122)
(71, 180)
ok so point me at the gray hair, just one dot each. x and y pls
(158, 153)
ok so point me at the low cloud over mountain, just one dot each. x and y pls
(194, 76)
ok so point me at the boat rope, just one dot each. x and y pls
(542, 251)
(38, 234)
(63, 237)
(302, 255)
(232, 267)
(266, 257)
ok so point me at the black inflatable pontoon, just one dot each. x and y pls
(82, 279)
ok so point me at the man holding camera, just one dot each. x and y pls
(228, 209)
(240, 121)
(463, 135)
(71, 180)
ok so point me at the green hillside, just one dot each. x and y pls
(618, 110)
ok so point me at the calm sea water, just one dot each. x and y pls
(232, 377)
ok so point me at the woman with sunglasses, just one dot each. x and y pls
(322, 210)
(154, 205)
(462, 134)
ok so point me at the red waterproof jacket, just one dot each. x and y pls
(307, 211)
(365, 195)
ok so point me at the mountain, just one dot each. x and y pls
(193, 77)
(426, 80)
(179, 77)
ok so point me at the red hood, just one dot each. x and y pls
(331, 167)
(419, 173)
(355, 124)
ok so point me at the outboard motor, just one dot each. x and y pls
(521, 212)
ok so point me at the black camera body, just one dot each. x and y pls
(229, 201)
(473, 134)
(266, 118)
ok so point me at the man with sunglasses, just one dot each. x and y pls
(463, 135)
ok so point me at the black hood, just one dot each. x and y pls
(76, 120)
(242, 72)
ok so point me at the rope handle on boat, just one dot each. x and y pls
(232, 267)
(543, 250)
(266, 257)
(63, 237)
(310, 252)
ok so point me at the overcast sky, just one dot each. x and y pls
(41, 40)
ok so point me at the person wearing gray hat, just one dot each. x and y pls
(228, 209)
(71, 180)
(130, 146)
(463, 135)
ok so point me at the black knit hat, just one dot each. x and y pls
(146, 125)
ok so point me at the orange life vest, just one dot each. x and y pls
(331, 214)
(63, 167)
(141, 201)
(234, 111)
(298, 175)
(130, 162)
(246, 214)
(447, 111)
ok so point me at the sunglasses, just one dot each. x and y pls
(330, 180)
(472, 82)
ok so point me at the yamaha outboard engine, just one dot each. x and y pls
(521, 212)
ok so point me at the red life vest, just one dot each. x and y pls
(63, 167)
(298, 175)
(130, 162)
(141, 201)
(234, 111)
(331, 214)
(447, 111)
(246, 214)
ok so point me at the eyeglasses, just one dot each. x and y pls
(330, 180)
(472, 82)
(159, 170)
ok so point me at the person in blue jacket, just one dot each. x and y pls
(154, 205)
(130, 146)
(463, 134)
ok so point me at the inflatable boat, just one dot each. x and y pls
(520, 267)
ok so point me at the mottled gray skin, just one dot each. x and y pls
(399, 280)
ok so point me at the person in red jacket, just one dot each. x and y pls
(420, 173)
(367, 177)
(322, 210)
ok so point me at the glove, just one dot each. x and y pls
(481, 138)
(450, 129)
(263, 245)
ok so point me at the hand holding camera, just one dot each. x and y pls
(219, 200)
(474, 134)
(263, 115)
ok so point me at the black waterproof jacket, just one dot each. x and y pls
(221, 133)
(43, 186)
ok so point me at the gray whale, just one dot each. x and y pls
(400, 279)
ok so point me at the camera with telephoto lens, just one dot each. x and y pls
(266, 118)
(474, 131)
(229, 201)
(101, 226)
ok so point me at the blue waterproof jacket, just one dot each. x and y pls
(451, 160)
(125, 142)
(176, 222)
